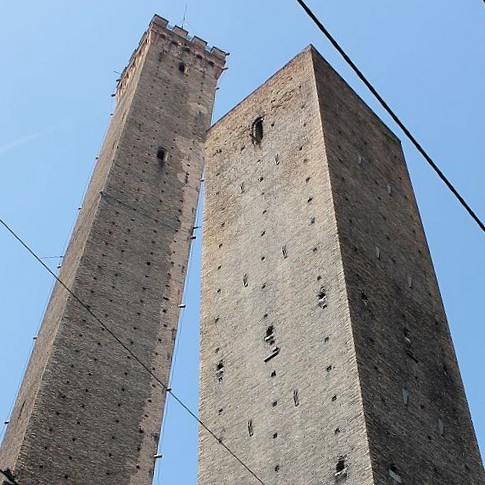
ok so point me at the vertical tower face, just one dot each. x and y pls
(86, 407)
(326, 356)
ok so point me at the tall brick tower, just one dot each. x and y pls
(326, 354)
(87, 412)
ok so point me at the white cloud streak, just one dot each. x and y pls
(25, 140)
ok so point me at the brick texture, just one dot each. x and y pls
(326, 355)
(87, 411)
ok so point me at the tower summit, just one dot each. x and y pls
(326, 354)
(87, 411)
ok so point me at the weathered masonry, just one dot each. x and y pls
(87, 412)
(326, 354)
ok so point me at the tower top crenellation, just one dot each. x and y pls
(163, 26)
(175, 38)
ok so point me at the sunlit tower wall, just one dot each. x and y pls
(87, 411)
(326, 354)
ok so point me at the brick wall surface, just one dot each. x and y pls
(416, 411)
(269, 216)
(87, 411)
(326, 356)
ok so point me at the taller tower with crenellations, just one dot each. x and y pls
(87, 412)
(326, 354)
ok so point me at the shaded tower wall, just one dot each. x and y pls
(326, 356)
(417, 416)
(87, 411)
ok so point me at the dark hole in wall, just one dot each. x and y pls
(284, 251)
(322, 298)
(220, 371)
(162, 155)
(340, 465)
(250, 427)
(395, 474)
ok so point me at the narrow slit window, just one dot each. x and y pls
(257, 131)
(245, 280)
(182, 68)
(410, 281)
(296, 397)
(441, 426)
(250, 427)
(405, 396)
(284, 251)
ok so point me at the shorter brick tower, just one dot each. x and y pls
(87, 412)
(326, 355)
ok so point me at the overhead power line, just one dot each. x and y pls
(8, 475)
(391, 112)
(125, 347)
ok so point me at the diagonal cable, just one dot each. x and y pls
(8, 475)
(125, 347)
(392, 114)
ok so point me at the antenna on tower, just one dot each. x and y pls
(184, 21)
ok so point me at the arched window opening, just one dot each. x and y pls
(257, 131)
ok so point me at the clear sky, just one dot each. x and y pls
(59, 62)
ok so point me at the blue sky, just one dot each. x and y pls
(59, 64)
